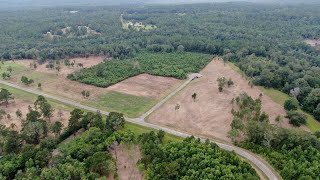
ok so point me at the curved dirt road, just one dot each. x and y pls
(262, 166)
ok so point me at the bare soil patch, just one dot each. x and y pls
(127, 157)
(313, 42)
(87, 62)
(22, 105)
(143, 85)
(146, 85)
(210, 115)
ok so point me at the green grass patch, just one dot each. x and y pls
(130, 106)
(280, 97)
(15, 67)
(138, 130)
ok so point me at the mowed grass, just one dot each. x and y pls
(280, 97)
(130, 106)
(138, 130)
(15, 67)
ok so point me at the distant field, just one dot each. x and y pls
(176, 65)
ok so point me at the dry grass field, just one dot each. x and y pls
(210, 115)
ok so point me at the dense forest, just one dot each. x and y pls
(190, 159)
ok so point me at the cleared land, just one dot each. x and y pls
(146, 85)
(21, 101)
(127, 157)
(210, 115)
(132, 97)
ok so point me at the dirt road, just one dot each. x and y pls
(260, 164)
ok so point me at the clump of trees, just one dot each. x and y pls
(26, 81)
(85, 94)
(280, 146)
(223, 82)
(5, 96)
(295, 118)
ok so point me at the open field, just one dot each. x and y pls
(86, 62)
(210, 115)
(146, 85)
(131, 97)
(22, 100)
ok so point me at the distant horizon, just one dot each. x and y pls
(22, 4)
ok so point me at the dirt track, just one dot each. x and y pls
(210, 115)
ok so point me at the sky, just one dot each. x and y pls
(4, 4)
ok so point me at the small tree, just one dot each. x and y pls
(221, 83)
(87, 94)
(6, 75)
(230, 82)
(291, 104)
(10, 69)
(279, 119)
(2, 114)
(296, 118)
(83, 93)
(60, 114)
(56, 128)
(19, 113)
(115, 121)
(194, 97)
(5, 96)
(26, 81)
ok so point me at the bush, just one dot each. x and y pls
(291, 104)
(296, 118)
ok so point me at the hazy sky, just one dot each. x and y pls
(45, 3)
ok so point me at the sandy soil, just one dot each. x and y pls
(23, 106)
(127, 158)
(146, 85)
(210, 115)
(87, 62)
(313, 42)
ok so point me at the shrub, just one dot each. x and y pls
(296, 118)
(291, 104)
